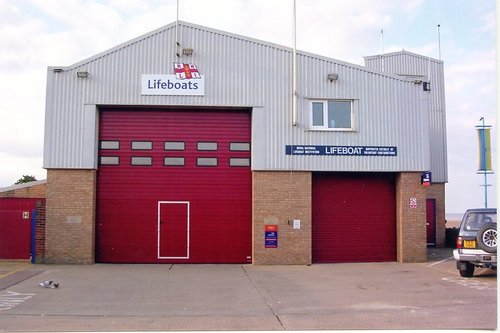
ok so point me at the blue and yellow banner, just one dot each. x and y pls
(484, 149)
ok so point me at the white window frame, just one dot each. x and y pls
(325, 127)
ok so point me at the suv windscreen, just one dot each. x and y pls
(474, 220)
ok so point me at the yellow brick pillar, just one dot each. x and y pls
(70, 216)
(411, 218)
(277, 198)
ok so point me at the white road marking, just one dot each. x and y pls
(11, 299)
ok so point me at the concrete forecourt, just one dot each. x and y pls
(104, 297)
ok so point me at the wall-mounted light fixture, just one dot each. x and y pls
(82, 74)
(58, 70)
(187, 51)
(417, 81)
(333, 77)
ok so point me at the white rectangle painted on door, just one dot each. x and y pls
(173, 229)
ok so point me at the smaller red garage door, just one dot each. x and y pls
(354, 217)
(15, 227)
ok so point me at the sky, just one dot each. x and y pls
(35, 34)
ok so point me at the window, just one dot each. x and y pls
(112, 145)
(109, 160)
(236, 161)
(141, 161)
(173, 161)
(175, 145)
(206, 161)
(142, 145)
(207, 146)
(331, 114)
(239, 146)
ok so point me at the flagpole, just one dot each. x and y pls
(177, 53)
(483, 145)
(294, 66)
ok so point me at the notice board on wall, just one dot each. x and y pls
(271, 236)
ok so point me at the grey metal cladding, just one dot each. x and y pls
(244, 72)
(422, 68)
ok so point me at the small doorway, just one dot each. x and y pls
(431, 221)
(173, 229)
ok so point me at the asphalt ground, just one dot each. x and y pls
(375, 296)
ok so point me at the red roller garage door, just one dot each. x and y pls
(354, 217)
(174, 186)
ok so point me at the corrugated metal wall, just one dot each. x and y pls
(242, 72)
(413, 65)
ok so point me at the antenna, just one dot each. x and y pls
(382, 41)
(382, 48)
(177, 53)
(439, 39)
(438, 10)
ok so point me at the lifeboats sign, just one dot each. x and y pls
(341, 150)
(186, 81)
(168, 84)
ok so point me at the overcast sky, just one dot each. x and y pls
(35, 34)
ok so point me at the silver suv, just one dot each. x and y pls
(477, 241)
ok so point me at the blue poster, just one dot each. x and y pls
(271, 236)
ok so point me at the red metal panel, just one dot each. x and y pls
(354, 217)
(15, 227)
(219, 197)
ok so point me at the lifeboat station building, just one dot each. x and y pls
(193, 145)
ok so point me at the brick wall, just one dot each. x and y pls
(277, 198)
(411, 227)
(437, 191)
(70, 216)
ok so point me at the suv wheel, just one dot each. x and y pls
(468, 271)
(487, 237)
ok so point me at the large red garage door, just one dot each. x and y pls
(354, 217)
(174, 186)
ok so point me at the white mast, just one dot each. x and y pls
(294, 67)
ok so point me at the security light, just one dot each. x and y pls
(187, 51)
(333, 77)
(82, 74)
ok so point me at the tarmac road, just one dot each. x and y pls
(104, 297)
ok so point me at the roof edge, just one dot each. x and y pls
(24, 185)
(402, 52)
(231, 35)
